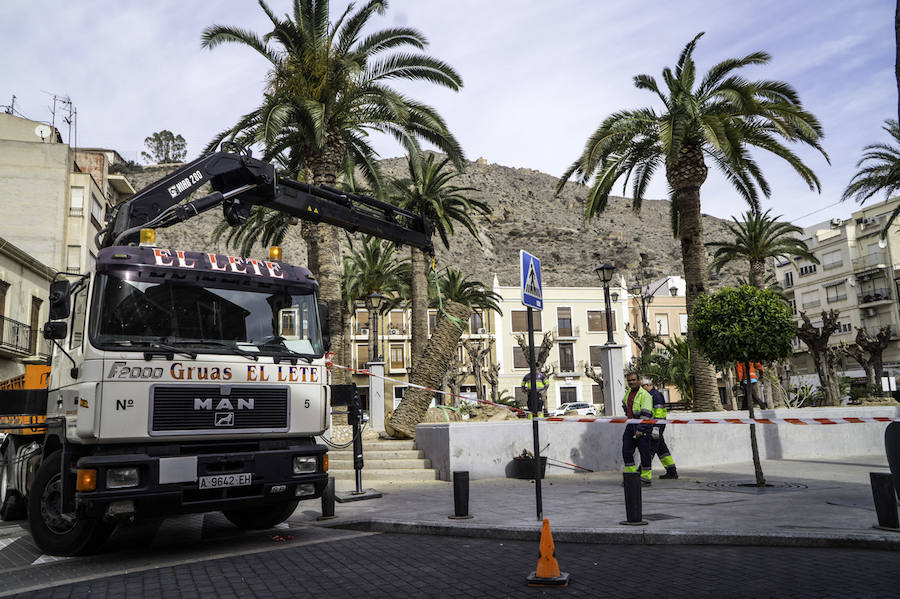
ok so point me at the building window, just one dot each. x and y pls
(810, 299)
(568, 395)
(835, 293)
(807, 269)
(476, 324)
(362, 354)
(597, 321)
(397, 357)
(3, 287)
(793, 304)
(96, 209)
(519, 360)
(76, 202)
(73, 259)
(564, 322)
(832, 260)
(35, 323)
(362, 322)
(596, 394)
(788, 280)
(79, 303)
(843, 328)
(566, 357)
(683, 323)
(519, 320)
(396, 323)
(595, 355)
(662, 324)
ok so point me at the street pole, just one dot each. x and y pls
(609, 331)
(533, 408)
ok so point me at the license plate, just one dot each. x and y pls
(225, 480)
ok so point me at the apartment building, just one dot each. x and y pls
(857, 275)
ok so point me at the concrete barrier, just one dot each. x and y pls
(486, 449)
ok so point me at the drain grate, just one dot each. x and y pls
(749, 486)
(660, 517)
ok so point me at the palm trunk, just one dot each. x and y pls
(758, 273)
(686, 176)
(429, 371)
(419, 292)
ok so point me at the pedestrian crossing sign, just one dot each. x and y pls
(532, 292)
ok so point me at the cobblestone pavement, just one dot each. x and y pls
(394, 565)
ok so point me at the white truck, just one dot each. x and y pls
(182, 381)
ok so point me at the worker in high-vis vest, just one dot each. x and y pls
(658, 445)
(638, 404)
(542, 384)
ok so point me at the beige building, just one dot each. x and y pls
(857, 275)
(54, 198)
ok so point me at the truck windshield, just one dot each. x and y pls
(129, 312)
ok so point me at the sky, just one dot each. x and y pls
(538, 76)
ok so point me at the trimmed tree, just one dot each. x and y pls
(743, 325)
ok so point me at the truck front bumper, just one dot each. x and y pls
(172, 485)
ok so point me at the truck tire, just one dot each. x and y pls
(12, 503)
(258, 518)
(51, 532)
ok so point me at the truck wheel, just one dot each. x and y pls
(12, 503)
(53, 533)
(258, 518)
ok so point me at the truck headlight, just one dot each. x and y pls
(122, 478)
(304, 464)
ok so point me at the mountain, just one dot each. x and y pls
(525, 215)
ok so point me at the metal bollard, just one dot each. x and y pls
(885, 500)
(633, 510)
(328, 500)
(460, 495)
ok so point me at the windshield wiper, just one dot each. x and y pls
(278, 345)
(232, 347)
(163, 349)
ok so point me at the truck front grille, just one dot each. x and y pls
(218, 409)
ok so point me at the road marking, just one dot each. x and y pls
(8, 541)
(48, 559)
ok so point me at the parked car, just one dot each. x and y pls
(581, 408)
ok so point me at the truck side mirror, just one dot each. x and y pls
(56, 329)
(323, 323)
(59, 300)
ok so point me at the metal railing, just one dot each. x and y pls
(16, 336)
(874, 295)
(871, 260)
(570, 331)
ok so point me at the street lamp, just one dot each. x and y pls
(375, 300)
(605, 272)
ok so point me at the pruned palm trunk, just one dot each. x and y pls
(757, 273)
(419, 292)
(686, 176)
(429, 371)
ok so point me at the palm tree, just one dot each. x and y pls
(326, 92)
(720, 119)
(455, 297)
(374, 268)
(672, 365)
(881, 173)
(429, 191)
(757, 238)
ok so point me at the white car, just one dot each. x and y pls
(583, 409)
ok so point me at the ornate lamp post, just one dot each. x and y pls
(375, 300)
(605, 272)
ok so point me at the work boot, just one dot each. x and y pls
(671, 472)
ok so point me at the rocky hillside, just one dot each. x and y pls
(525, 215)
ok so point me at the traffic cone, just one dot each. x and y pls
(547, 573)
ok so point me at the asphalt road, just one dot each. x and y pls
(203, 556)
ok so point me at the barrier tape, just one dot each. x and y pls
(798, 421)
(620, 420)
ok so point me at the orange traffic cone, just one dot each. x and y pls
(547, 573)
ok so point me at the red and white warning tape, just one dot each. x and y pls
(800, 421)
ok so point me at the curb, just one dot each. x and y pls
(888, 542)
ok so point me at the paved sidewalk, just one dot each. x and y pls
(822, 503)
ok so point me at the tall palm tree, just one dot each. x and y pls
(881, 173)
(327, 91)
(374, 268)
(757, 238)
(456, 298)
(429, 191)
(720, 118)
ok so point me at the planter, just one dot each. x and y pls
(524, 467)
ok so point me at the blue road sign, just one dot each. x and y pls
(532, 291)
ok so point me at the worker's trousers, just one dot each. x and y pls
(659, 448)
(642, 444)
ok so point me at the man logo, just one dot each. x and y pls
(223, 404)
(224, 418)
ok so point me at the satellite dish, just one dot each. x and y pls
(882, 243)
(43, 131)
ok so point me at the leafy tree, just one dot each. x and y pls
(672, 365)
(327, 91)
(429, 191)
(757, 238)
(721, 119)
(165, 147)
(743, 325)
(881, 172)
(457, 297)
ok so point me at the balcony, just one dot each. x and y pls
(872, 260)
(568, 332)
(873, 324)
(871, 296)
(19, 340)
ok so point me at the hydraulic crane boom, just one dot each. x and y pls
(241, 182)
